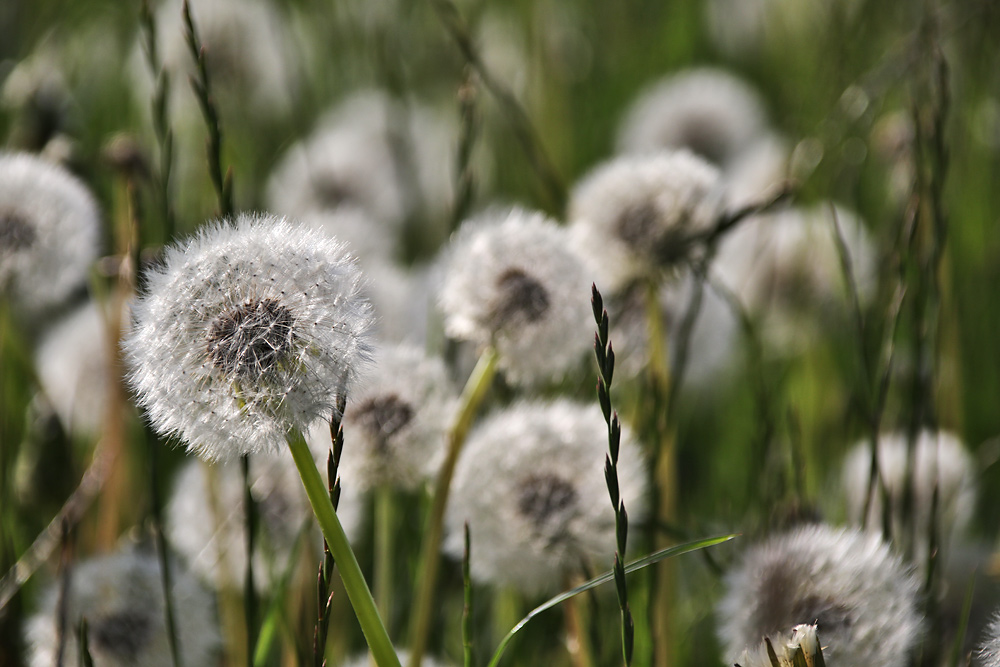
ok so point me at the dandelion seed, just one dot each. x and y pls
(531, 485)
(941, 464)
(49, 233)
(396, 421)
(207, 525)
(632, 217)
(511, 280)
(121, 596)
(859, 595)
(247, 331)
(72, 364)
(710, 112)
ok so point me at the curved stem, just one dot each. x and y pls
(472, 396)
(384, 547)
(350, 572)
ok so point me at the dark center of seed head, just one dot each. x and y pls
(252, 339)
(121, 633)
(544, 497)
(520, 299)
(383, 416)
(637, 225)
(15, 232)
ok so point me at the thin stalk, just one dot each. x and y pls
(161, 550)
(472, 395)
(324, 596)
(384, 550)
(467, 606)
(249, 591)
(350, 572)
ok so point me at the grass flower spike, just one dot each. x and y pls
(248, 331)
(861, 598)
(121, 597)
(512, 281)
(49, 232)
(531, 486)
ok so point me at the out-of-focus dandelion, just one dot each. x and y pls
(208, 527)
(248, 330)
(531, 486)
(248, 50)
(512, 281)
(121, 597)
(785, 267)
(49, 233)
(860, 596)
(633, 217)
(72, 364)
(941, 465)
(404, 658)
(403, 299)
(397, 420)
(708, 111)
(370, 153)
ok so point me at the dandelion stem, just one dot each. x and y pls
(384, 550)
(467, 606)
(472, 396)
(249, 592)
(350, 572)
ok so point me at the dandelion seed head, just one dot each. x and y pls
(708, 111)
(941, 464)
(632, 216)
(511, 279)
(121, 596)
(860, 596)
(72, 365)
(786, 267)
(246, 331)
(988, 654)
(205, 517)
(396, 420)
(531, 486)
(49, 232)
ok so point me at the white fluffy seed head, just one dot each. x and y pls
(511, 280)
(531, 486)
(988, 654)
(860, 596)
(72, 364)
(248, 49)
(632, 215)
(396, 420)
(49, 232)
(247, 330)
(941, 462)
(708, 111)
(786, 268)
(121, 597)
(206, 523)
(374, 154)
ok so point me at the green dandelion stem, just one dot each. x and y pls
(350, 572)
(473, 394)
(384, 549)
